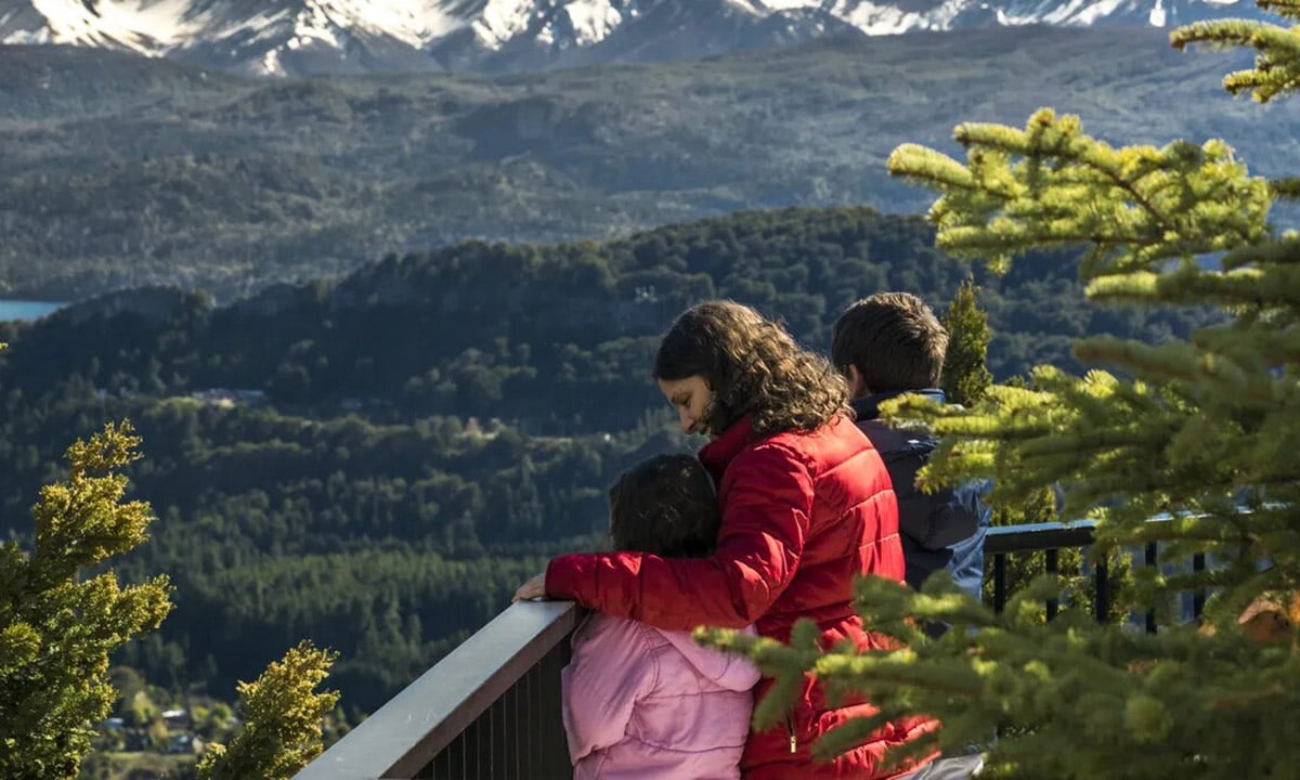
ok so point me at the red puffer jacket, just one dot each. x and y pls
(802, 514)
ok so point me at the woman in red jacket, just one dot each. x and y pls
(806, 506)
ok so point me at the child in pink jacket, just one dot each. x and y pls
(641, 703)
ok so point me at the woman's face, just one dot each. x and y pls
(692, 398)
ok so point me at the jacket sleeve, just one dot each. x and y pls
(943, 519)
(768, 494)
(611, 668)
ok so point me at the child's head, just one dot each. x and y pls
(889, 342)
(665, 506)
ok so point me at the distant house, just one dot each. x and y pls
(216, 398)
(250, 397)
(176, 719)
(220, 396)
(186, 744)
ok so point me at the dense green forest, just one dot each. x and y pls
(375, 462)
(122, 171)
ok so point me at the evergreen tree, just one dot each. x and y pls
(57, 628)
(965, 366)
(965, 380)
(282, 720)
(1199, 432)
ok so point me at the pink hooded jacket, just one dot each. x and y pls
(641, 703)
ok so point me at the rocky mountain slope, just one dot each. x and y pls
(304, 37)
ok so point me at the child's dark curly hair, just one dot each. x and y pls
(666, 506)
(754, 367)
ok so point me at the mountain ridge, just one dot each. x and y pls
(121, 171)
(316, 37)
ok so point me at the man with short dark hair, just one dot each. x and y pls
(887, 345)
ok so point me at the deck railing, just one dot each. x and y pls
(491, 709)
(1049, 538)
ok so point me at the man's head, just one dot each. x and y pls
(889, 342)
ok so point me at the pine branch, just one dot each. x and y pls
(1277, 66)
(1287, 188)
(1051, 185)
(1287, 8)
(1284, 251)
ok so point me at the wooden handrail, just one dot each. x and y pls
(404, 735)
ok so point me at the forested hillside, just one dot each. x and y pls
(120, 171)
(376, 462)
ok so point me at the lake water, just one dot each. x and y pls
(26, 310)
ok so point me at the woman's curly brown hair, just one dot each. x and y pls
(754, 367)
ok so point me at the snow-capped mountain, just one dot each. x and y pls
(280, 37)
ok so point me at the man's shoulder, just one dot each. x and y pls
(889, 440)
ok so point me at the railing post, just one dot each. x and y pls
(1053, 567)
(999, 581)
(1101, 601)
(1198, 596)
(1150, 560)
(1002, 541)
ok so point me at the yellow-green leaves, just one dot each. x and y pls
(57, 627)
(965, 373)
(1134, 207)
(282, 720)
(84, 520)
(1148, 718)
(1277, 64)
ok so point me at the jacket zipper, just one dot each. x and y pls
(789, 727)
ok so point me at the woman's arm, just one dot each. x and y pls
(768, 500)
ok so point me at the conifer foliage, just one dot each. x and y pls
(60, 622)
(282, 732)
(1189, 444)
(965, 366)
(57, 629)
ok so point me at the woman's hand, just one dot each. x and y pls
(534, 588)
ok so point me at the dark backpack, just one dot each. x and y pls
(939, 530)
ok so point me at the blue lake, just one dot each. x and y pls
(26, 310)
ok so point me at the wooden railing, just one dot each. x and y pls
(492, 708)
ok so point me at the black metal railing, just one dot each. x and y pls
(1050, 539)
(492, 708)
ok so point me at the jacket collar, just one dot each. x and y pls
(718, 453)
(868, 406)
